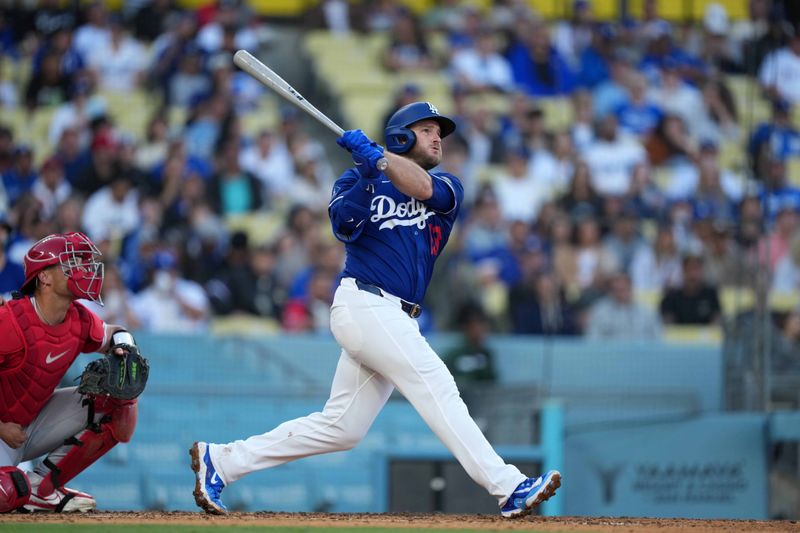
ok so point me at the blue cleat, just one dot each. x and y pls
(208, 485)
(531, 493)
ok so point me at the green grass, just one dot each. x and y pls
(212, 527)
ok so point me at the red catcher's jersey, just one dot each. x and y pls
(34, 356)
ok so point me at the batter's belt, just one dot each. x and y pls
(411, 309)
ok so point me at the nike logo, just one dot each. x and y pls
(51, 358)
(214, 478)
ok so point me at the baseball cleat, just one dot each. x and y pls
(208, 485)
(531, 493)
(62, 500)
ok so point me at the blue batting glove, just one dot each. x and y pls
(352, 139)
(366, 158)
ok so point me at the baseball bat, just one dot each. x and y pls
(261, 72)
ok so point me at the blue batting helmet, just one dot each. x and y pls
(399, 137)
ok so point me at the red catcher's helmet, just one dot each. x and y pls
(79, 260)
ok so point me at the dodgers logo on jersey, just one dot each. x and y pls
(410, 213)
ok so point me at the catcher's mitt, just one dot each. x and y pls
(119, 376)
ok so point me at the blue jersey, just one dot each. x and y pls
(392, 240)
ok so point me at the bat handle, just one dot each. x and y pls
(382, 164)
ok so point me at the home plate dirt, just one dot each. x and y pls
(413, 521)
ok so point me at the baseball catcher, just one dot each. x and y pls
(42, 331)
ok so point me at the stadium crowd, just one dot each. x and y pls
(623, 221)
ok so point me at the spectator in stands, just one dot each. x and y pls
(717, 119)
(12, 275)
(778, 138)
(662, 48)
(519, 195)
(51, 189)
(269, 160)
(112, 212)
(639, 115)
(94, 34)
(553, 167)
(538, 67)
(83, 107)
(101, 168)
(538, 306)
(618, 316)
(408, 45)
(471, 361)
(311, 183)
(670, 146)
(68, 215)
(71, 153)
(611, 157)
(232, 17)
(152, 150)
(787, 272)
(776, 193)
(623, 242)
(265, 297)
(120, 65)
(645, 197)
(153, 19)
(580, 198)
(233, 191)
(171, 303)
(771, 32)
(774, 246)
(295, 243)
(571, 37)
(581, 128)
(780, 71)
(117, 300)
(311, 313)
(693, 303)
(169, 52)
(585, 270)
(716, 49)
(49, 85)
(6, 148)
(657, 267)
(481, 68)
(336, 16)
(611, 93)
(594, 62)
(19, 179)
(673, 95)
(725, 264)
(786, 359)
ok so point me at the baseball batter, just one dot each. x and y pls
(394, 225)
(41, 333)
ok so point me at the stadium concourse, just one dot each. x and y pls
(629, 174)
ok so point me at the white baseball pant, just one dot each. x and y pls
(382, 348)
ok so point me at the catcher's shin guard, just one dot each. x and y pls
(15, 488)
(80, 451)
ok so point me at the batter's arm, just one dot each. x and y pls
(349, 205)
(408, 177)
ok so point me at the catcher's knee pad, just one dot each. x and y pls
(15, 489)
(116, 424)
(120, 416)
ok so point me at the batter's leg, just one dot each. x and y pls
(357, 396)
(392, 344)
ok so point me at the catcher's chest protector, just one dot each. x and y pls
(49, 352)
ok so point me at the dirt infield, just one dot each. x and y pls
(414, 521)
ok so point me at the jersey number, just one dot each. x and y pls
(436, 239)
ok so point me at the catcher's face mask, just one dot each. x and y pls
(78, 258)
